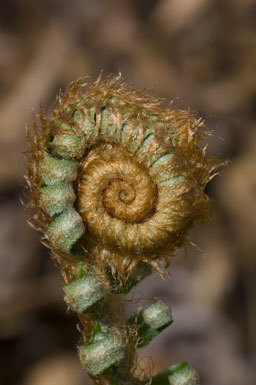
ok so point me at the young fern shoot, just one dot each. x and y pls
(116, 180)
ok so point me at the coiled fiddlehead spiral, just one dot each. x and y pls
(117, 181)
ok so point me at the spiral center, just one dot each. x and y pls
(127, 196)
(117, 196)
(125, 191)
(115, 186)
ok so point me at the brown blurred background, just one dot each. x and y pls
(202, 55)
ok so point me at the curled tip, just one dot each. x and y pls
(178, 374)
(131, 169)
(157, 315)
(184, 376)
(151, 321)
(104, 350)
(54, 199)
(65, 230)
(82, 293)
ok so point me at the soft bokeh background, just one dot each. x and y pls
(202, 55)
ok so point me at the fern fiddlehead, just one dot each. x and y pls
(117, 181)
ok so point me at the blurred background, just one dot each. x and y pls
(202, 55)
